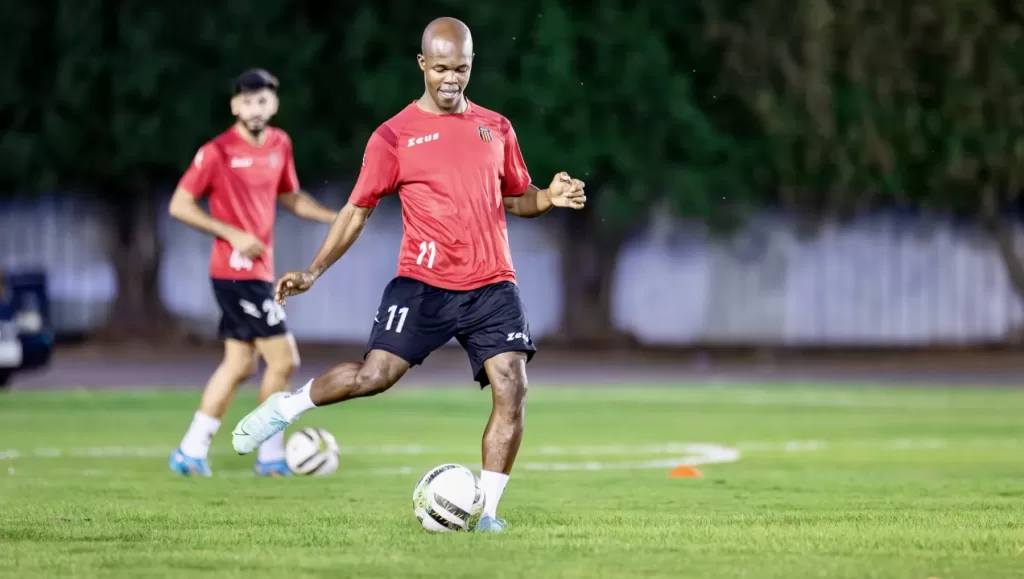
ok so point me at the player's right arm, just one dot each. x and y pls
(378, 178)
(184, 207)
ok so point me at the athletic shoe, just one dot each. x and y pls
(259, 425)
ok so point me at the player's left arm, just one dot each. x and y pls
(524, 199)
(299, 202)
(303, 205)
(564, 191)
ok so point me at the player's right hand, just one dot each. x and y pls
(246, 244)
(292, 283)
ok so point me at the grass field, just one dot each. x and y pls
(799, 482)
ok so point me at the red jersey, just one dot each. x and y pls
(451, 172)
(243, 181)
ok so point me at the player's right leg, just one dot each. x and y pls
(378, 372)
(239, 362)
(413, 320)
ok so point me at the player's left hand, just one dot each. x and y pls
(565, 191)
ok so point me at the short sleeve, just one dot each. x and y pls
(289, 177)
(516, 178)
(378, 176)
(199, 176)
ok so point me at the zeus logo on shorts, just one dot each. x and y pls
(250, 308)
(420, 140)
(518, 336)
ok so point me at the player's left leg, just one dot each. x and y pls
(504, 432)
(281, 356)
(494, 331)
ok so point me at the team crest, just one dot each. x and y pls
(485, 134)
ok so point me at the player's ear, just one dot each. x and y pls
(274, 103)
(422, 61)
(236, 103)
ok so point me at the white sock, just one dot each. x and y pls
(493, 484)
(196, 443)
(272, 450)
(293, 405)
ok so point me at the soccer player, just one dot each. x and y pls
(457, 168)
(245, 171)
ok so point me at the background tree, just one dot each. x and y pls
(970, 57)
(820, 78)
(866, 102)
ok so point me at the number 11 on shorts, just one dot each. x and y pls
(427, 250)
(402, 312)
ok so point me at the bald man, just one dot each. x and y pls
(458, 169)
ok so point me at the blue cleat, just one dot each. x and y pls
(490, 525)
(274, 468)
(185, 465)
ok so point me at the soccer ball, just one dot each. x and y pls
(448, 498)
(312, 451)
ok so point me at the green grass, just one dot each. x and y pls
(911, 483)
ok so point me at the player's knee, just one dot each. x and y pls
(239, 369)
(280, 354)
(284, 366)
(508, 380)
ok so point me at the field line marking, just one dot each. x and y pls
(664, 448)
(698, 454)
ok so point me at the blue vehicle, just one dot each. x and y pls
(26, 340)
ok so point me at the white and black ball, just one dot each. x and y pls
(312, 451)
(448, 498)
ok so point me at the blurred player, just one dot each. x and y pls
(458, 168)
(245, 171)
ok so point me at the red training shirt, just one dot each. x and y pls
(243, 181)
(451, 172)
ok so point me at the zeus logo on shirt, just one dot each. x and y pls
(413, 141)
(237, 162)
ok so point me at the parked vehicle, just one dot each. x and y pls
(26, 337)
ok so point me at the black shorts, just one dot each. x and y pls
(248, 310)
(414, 319)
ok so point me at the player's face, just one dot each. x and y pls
(446, 72)
(255, 109)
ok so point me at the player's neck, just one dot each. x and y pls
(248, 137)
(427, 104)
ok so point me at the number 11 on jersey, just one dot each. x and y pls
(428, 250)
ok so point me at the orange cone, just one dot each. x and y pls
(685, 472)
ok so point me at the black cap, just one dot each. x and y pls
(253, 80)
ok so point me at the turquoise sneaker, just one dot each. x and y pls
(490, 525)
(274, 468)
(185, 465)
(259, 425)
